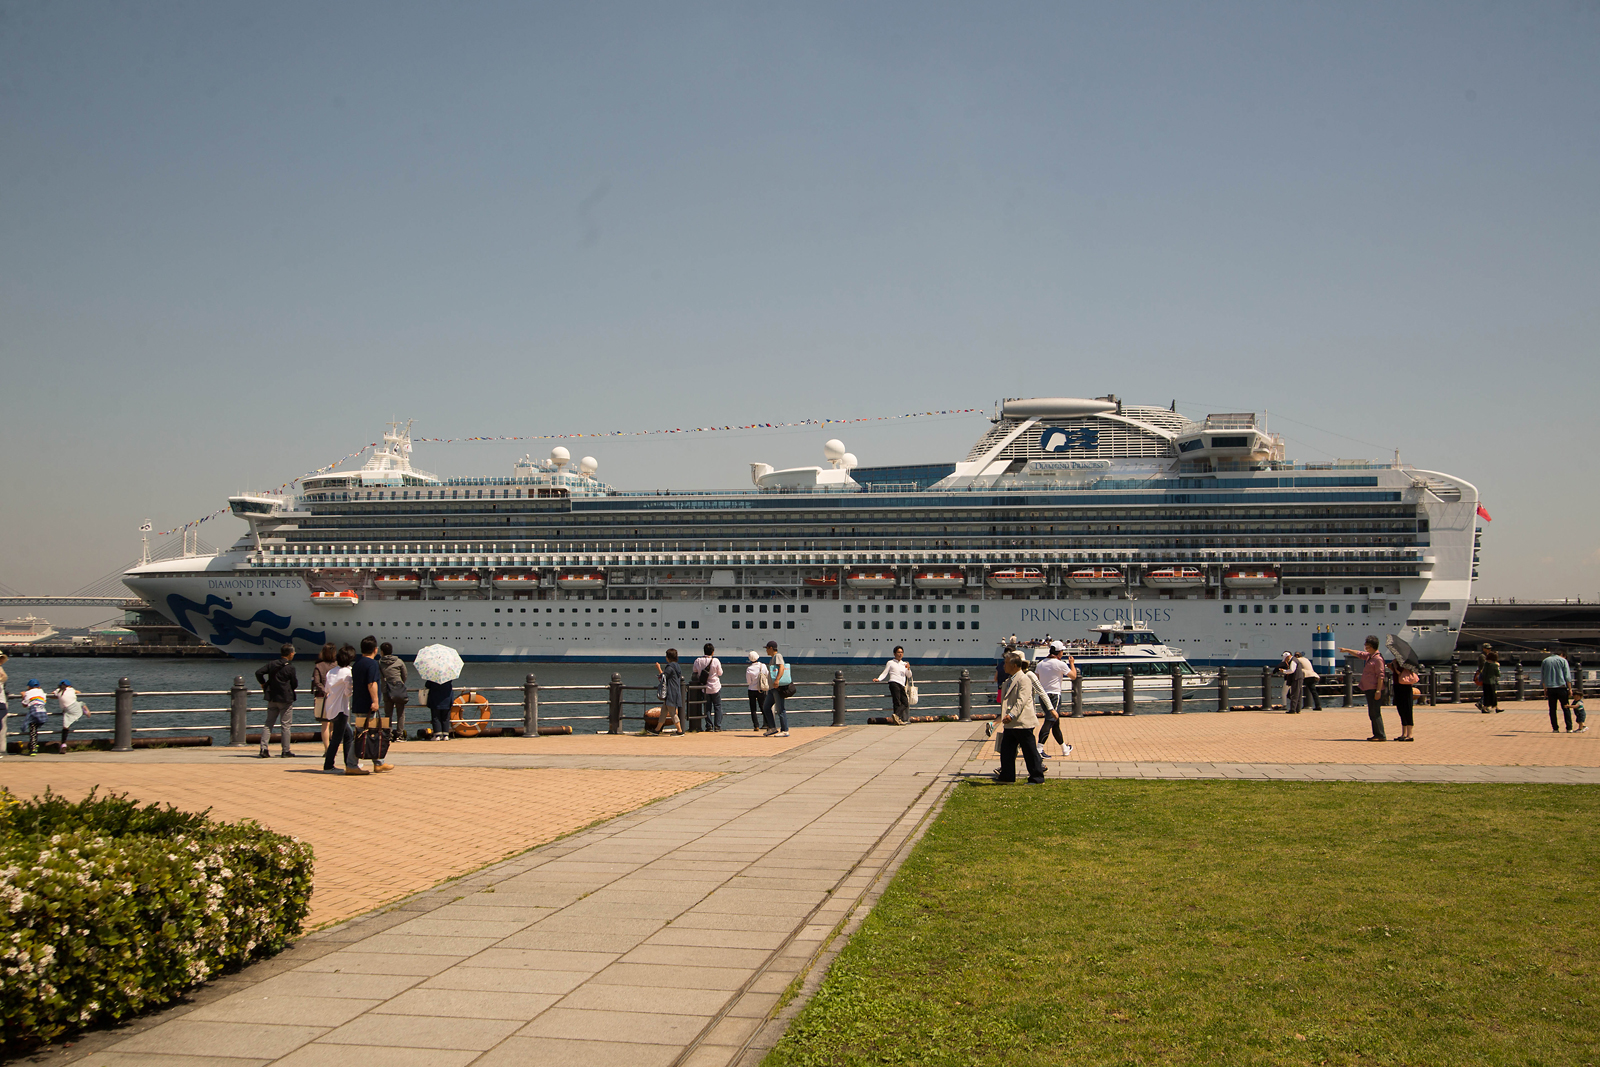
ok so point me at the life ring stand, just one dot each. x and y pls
(459, 726)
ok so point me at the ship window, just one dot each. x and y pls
(805, 609)
(1363, 609)
(1302, 609)
(974, 611)
(1258, 609)
(763, 609)
(874, 624)
(1273, 610)
(1364, 590)
(763, 624)
(1227, 609)
(791, 624)
(1334, 608)
(961, 609)
(947, 624)
(791, 609)
(722, 609)
(961, 625)
(497, 611)
(1348, 590)
(947, 611)
(874, 609)
(847, 609)
(1319, 609)
(918, 626)
(1350, 609)
(847, 624)
(974, 626)
(917, 610)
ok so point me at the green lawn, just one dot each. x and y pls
(1135, 922)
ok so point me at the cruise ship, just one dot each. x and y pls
(1065, 516)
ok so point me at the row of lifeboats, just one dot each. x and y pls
(576, 580)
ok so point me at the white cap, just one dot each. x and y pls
(1057, 646)
(754, 656)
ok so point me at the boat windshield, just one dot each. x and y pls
(1128, 637)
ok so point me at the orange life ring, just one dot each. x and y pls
(469, 729)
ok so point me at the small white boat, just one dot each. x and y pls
(1175, 578)
(1253, 578)
(940, 580)
(582, 581)
(1017, 578)
(398, 583)
(870, 580)
(343, 599)
(469, 580)
(1095, 578)
(516, 581)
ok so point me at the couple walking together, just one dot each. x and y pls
(1023, 688)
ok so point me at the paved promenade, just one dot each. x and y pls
(666, 935)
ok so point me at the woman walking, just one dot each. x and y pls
(756, 682)
(897, 672)
(319, 686)
(672, 694)
(1373, 676)
(778, 682)
(1489, 680)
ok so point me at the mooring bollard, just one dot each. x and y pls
(122, 732)
(838, 698)
(1522, 681)
(238, 709)
(965, 701)
(1077, 695)
(530, 706)
(1177, 690)
(1455, 679)
(1349, 686)
(1577, 676)
(615, 709)
(1222, 688)
(1433, 687)
(1127, 690)
(1266, 688)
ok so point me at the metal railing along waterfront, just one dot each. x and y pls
(235, 715)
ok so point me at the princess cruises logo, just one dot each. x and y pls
(1056, 439)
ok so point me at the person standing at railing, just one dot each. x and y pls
(897, 673)
(5, 709)
(1289, 667)
(670, 678)
(395, 694)
(706, 672)
(1051, 673)
(780, 688)
(33, 700)
(1488, 680)
(756, 683)
(72, 709)
(440, 695)
(278, 682)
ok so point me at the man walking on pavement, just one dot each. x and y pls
(1556, 677)
(278, 682)
(1051, 673)
(365, 703)
(1018, 720)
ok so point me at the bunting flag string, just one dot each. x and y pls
(358, 453)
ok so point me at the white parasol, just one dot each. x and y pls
(438, 663)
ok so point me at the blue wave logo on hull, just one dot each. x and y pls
(227, 628)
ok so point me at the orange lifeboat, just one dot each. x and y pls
(939, 580)
(582, 581)
(343, 599)
(469, 580)
(870, 580)
(1094, 578)
(1175, 578)
(1250, 578)
(398, 583)
(516, 581)
(1016, 578)
(826, 581)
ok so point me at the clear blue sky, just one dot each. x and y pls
(234, 239)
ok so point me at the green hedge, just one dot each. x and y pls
(107, 908)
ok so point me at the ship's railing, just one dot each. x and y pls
(234, 716)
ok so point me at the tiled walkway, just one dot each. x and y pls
(665, 936)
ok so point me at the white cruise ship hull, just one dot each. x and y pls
(250, 615)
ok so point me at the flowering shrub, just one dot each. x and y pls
(107, 908)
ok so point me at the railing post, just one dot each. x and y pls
(1266, 688)
(1222, 688)
(1577, 676)
(1127, 690)
(1522, 681)
(238, 708)
(838, 698)
(1177, 690)
(1433, 686)
(965, 714)
(1349, 686)
(122, 733)
(615, 702)
(1077, 695)
(1455, 679)
(530, 706)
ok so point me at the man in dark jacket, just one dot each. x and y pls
(278, 684)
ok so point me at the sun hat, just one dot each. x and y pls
(754, 655)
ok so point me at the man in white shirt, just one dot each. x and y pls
(1051, 672)
(707, 673)
(1308, 682)
(897, 672)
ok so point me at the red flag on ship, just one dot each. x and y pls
(1483, 513)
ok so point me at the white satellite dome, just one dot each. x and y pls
(560, 456)
(587, 465)
(833, 450)
(848, 461)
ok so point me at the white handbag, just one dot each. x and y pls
(911, 695)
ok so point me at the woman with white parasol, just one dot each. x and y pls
(439, 666)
